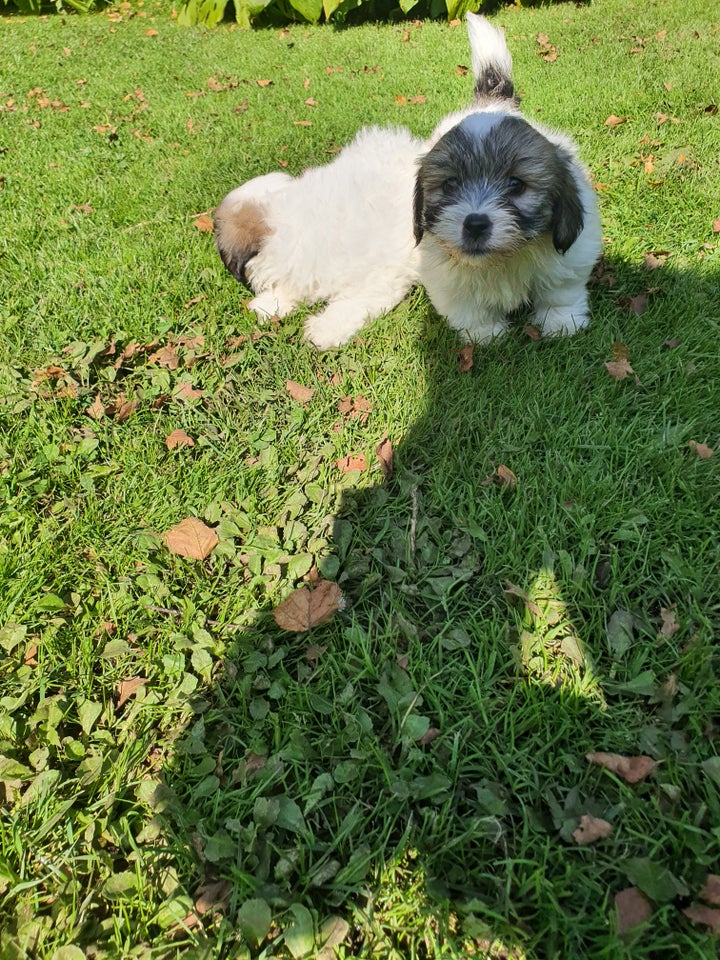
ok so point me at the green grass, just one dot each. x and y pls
(290, 770)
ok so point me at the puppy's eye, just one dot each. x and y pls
(451, 185)
(515, 187)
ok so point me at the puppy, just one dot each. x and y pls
(341, 233)
(504, 213)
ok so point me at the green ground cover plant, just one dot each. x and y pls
(534, 582)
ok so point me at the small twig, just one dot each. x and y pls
(413, 519)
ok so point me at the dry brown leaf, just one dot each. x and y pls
(122, 409)
(386, 455)
(669, 623)
(165, 357)
(465, 357)
(636, 304)
(298, 392)
(430, 734)
(711, 891)
(306, 608)
(186, 391)
(633, 908)
(630, 769)
(591, 829)
(353, 461)
(204, 224)
(263, 83)
(716, 226)
(505, 477)
(702, 450)
(530, 331)
(96, 410)
(178, 438)
(672, 343)
(619, 369)
(213, 896)
(191, 538)
(613, 121)
(128, 688)
(707, 916)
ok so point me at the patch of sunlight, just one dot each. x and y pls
(400, 921)
(551, 650)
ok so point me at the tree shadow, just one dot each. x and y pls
(438, 727)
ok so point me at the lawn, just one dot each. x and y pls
(534, 578)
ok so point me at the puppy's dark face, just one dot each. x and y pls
(492, 183)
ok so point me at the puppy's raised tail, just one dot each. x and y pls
(491, 61)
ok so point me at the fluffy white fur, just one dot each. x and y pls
(491, 213)
(341, 234)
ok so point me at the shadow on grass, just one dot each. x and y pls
(417, 767)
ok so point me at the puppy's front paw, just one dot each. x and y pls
(270, 304)
(321, 334)
(561, 321)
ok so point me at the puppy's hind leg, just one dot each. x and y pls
(341, 319)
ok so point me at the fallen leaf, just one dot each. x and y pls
(430, 734)
(178, 438)
(672, 343)
(591, 829)
(151, 33)
(165, 357)
(710, 893)
(530, 331)
(716, 226)
(306, 608)
(630, 769)
(191, 538)
(353, 461)
(633, 908)
(128, 688)
(618, 369)
(263, 83)
(298, 392)
(619, 351)
(702, 450)
(96, 410)
(669, 623)
(385, 454)
(655, 259)
(186, 391)
(707, 916)
(213, 896)
(613, 121)
(506, 477)
(204, 223)
(355, 408)
(465, 357)
(121, 409)
(636, 305)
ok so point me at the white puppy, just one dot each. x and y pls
(341, 233)
(491, 213)
(504, 211)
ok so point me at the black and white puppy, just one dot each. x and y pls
(504, 211)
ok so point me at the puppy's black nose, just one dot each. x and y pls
(477, 225)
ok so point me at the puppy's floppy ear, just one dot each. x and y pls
(419, 206)
(567, 216)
